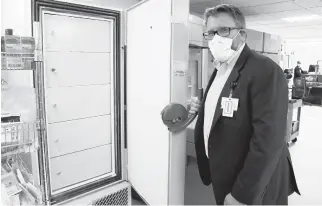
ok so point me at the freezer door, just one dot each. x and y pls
(157, 65)
(79, 92)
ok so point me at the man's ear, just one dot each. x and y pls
(243, 34)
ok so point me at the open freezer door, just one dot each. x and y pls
(157, 42)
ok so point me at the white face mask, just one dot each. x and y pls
(220, 48)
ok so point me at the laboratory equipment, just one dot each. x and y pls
(94, 147)
(293, 120)
(19, 140)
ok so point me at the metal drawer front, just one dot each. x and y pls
(62, 33)
(71, 103)
(77, 68)
(77, 135)
(80, 166)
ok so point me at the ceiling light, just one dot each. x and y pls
(302, 18)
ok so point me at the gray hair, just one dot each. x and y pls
(233, 11)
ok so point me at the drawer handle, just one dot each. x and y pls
(59, 173)
(53, 69)
(52, 33)
(56, 140)
(54, 105)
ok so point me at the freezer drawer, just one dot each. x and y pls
(77, 68)
(72, 103)
(73, 136)
(68, 33)
(80, 166)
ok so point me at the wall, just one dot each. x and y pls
(308, 52)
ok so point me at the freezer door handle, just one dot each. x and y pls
(176, 117)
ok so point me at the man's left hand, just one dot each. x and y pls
(230, 200)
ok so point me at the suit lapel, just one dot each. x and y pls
(232, 77)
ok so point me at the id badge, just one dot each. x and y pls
(229, 106)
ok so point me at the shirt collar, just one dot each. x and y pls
(233, 59)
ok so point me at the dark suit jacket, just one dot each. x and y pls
(248, 154)
(298, 72)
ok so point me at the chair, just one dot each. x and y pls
(300, 89)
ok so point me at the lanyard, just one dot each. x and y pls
(233, 86)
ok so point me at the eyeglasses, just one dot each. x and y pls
(224, 32)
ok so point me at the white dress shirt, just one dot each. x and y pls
(223, 72)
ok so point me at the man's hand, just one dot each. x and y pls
(195, 105)
(230, 200)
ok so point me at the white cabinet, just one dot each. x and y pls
(74, 136)
(71, 103)
(255, 40)
(80, 166)
(272, 43)
(77, 69)
(196, 29)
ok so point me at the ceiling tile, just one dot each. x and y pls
(308, 3)
(294, 13)
(252, 24)
(200, 2)
(303, 25)
(201, 7)
(248, 3)
(277, 7)
(272, 22)
(316, 10)
(261, 17)
(249, 11)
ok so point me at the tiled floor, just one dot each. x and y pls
(307, 161)
(307, 158)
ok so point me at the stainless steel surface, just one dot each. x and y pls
(41, 114)
(120, 197)
(205, 68)
(117, 192)
(18, 138)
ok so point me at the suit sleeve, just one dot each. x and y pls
(269, 96)
(297, 72)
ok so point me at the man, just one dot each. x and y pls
(239, 134)
(298, 70)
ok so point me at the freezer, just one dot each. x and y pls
(104, 76)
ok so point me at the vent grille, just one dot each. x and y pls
(120, 197)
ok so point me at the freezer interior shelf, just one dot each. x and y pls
(18, 138)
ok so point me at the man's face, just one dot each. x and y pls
(222, 20)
